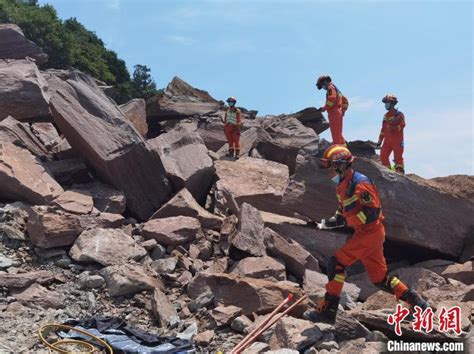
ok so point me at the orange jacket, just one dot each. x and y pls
(393, 124)
(359, 201)
(334, 98)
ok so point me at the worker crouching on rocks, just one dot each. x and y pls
(232, 124)
(359, 208)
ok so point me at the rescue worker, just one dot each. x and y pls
(391, 135)
(336, 106)
(232, 124)
(359, 208)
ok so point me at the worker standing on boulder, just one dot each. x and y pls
(391, 135)
(336, 106)
(359, 208)
(232, 124)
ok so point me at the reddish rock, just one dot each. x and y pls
(106, 198)
(462, 272)
(223, 315)
(255, 181)
(250, 237)
(251, 295)
(260, 267)
(23, 91)
(98, 129)
(163, 309)
(293, 333)
(14, 45)
(18, 133)
(23, 178)
(50, 229)
(38, 296)
(22, 280)
(75, 202)
(46, 133)
(135, 112)
(129, 279)
(172, 231)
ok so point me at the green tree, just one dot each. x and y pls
(143, 84)
(70, 45)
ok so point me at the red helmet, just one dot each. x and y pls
(336, 155)
(390, 98)
(232, 99)
(321, 80)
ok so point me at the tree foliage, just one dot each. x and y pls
(70, 45)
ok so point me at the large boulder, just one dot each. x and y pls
(14, 45)
(286, 137)
(135, 112)
(186, 161)
(255, 181)
(180, 100)
(18, 133)
(38, 296)
(311, 118)
(106, 247)
(97, 128)
(408, 219)
(184, 204)
(23, 177)
(23, 91)
(172, 231)
(50, 228)
(251, 295)
(293, 333)
(249, 239)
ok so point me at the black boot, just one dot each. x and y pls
(326, 310)
(237, 154)
(230, 153)
(413, 299)
(400, 170)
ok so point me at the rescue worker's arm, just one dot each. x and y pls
(239, 118)
(382, 132)
(335, 221)
(331, 99)
(364, 206)
(345, 104)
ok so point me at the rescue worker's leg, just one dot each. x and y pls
(228, 129)
(398, 148)
(358, 247)
(385, 152)
(236, 138)
(335, 125)
(376, 267)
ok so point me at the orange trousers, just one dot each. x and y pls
(335, 125)
(232, 134)
(366, 246)
(395, 145)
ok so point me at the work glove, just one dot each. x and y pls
(334, 222)
(321, 109)
(378, 145)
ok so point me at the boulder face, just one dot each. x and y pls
(98, 129)
(18, 133)
(180, 100)
(22, 177)
(172, 231)
(255, 181)
(23, 91)
(135, 112)
(311, 118)
(14, 45)
(186, 161)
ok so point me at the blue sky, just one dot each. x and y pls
(268, 54)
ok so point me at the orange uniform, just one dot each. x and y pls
(392, 136)
(360, 206)
(233, 121)
(336, 105)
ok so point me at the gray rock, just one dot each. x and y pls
(158, 252)
(165, 265)
(87, 281)
(203, 300)
(163, 310)
(189, 332)
(5, 262)
(241, 324)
